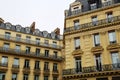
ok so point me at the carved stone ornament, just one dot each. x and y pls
(97, 49)
(77, 52)
(113, 47)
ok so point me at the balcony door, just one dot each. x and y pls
(98, 62)
(78, 64)
(2, 76)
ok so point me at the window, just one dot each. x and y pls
(46, 64)
(45, 77)
(37, 52)
(98, 62)
(55, 67)
(37, 41)
(46, 53)
(55, 78)
(46, 42)
(96, 40)
(17, 48)
(93, 6)
(37, 64)
(27, 50)
(77, 43)
(25, 77)
(6, 46)
(55, 54)
(78, 64)
(94, 20)
(76, 24)
(2, 76)
(115, 57)
(16, 62)
(36, 77)
(14, 76)
(109, 17)
(18, 37)
(28, 39)
(4, 60)
(7, 35)
(54, 44)
(26, 64)
(112, 37)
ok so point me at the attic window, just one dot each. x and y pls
(76, 8)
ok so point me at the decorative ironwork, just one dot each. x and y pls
(37, 71)
(29, 42)
(30, 54)
(15, 68)
(107, 67)
(3, 67)
(46, 71)
(89, 25)
(55, 73)
(26, 70)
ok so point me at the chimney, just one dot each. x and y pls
(57, 31)
(1, 20)
(32, 27)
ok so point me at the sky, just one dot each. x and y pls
(48, 14)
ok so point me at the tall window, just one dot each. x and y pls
(28, 39)
(46, 42)
(98, 62)
(2, 76)
(77, 43)
(78, 64)
(55, 67)
(96, 40)
(115, 57)
(18, 37)
(112, 37)
(27, 50)
(17, 48)
(4, 60)
(94, 20)
(14, 76)
(6, 46)
(16, 62)
(36, 77)
(55, 54)
(93, 6)
(26, 64)
(54, 44)
(76, 24)
(37, 52)
(109, 17)
(7, 35)
(46, 64)
(25, 77)
(55, 78)
(46, 53)
(37, 64)
(37, 41)
(45, 77)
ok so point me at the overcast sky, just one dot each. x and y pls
(48, 14)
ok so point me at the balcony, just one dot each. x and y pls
(113, 47)
(93, 7)
(26, 70)
(92, 71)
(46, 72)
(3, 67)
(30, 54)
(37, 71)
(10, 38)
(55, 73)
(97, 49)
(90, 26)
(15, 68)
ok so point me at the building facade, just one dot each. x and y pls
(92, 40)
(27, 53)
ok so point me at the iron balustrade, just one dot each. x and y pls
(102, 5)
(15, 66)
(4, 64)
(29, 41)
(107, 67)
(93, 24)
(30, 54)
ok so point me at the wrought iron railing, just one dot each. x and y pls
(29, 41)
(4, 64)
(105, 4)
(92, 24)
(107, 67)
(30, 54)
